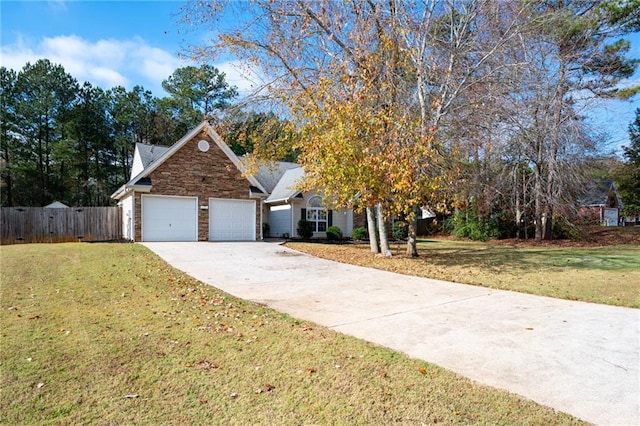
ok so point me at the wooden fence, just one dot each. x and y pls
(47, 225)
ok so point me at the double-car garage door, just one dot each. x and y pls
(176, 219)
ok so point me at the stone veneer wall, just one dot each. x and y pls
(191, 172)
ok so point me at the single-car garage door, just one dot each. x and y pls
(232, 220)
(169, 218)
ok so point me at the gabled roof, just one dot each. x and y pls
(56, 205)
(270, 174)
(286, 189)
(150, 153)
(598, 193)
(157, 159)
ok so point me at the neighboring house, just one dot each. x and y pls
(56, 205)
(602, 204)
(199, 190)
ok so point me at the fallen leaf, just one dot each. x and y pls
(234, 395)
(39, 385)
(268, 387)
(207, 365)
(422, 370)
(310, 371)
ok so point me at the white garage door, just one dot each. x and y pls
(169, 218)
(232, 220)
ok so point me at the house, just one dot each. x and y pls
(287, 205)
(602, 203)
(56, 205)
(199, 190)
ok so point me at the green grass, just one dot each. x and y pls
(86, 325)
(608, 275)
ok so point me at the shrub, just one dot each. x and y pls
(359, 233)
(305, 229)
(466, 224)
(334, 233)
(399, 230)
(562, 228)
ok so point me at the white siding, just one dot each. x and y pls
(136, 166)
(280, 221)
(343, 219)
(296, 206)
(127, 206)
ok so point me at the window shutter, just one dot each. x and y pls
(330, 218)
(303, 214)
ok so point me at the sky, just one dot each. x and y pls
(128, 43)
(107, 43)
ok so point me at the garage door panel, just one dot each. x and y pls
(169, 218)
(232, 220)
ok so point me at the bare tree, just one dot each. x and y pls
(399, 66)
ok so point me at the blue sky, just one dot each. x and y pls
(108, 43)
(131, 43)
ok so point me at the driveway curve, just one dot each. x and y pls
(579, 358)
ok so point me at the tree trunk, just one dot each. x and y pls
(412, 229)
(382, 229)
(547, 223)
(538, 209)
(371, 226)
(8, 172)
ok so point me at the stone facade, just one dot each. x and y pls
(191, 172)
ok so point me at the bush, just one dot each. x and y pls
(305, 229)
(399, 230)
(334, 233)
(562, 228)
(359, 233)
(465, 224)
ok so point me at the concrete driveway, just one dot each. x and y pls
(580, 358)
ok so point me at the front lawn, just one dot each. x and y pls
(110, 334)
(600, 274)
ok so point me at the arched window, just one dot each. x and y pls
(317, 214)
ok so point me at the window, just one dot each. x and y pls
(317, 215)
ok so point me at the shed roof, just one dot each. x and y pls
(56, 205)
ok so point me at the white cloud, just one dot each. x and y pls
(154, 63)
(111, 62)
(106, 74)
(105, 63)
(239, 74)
